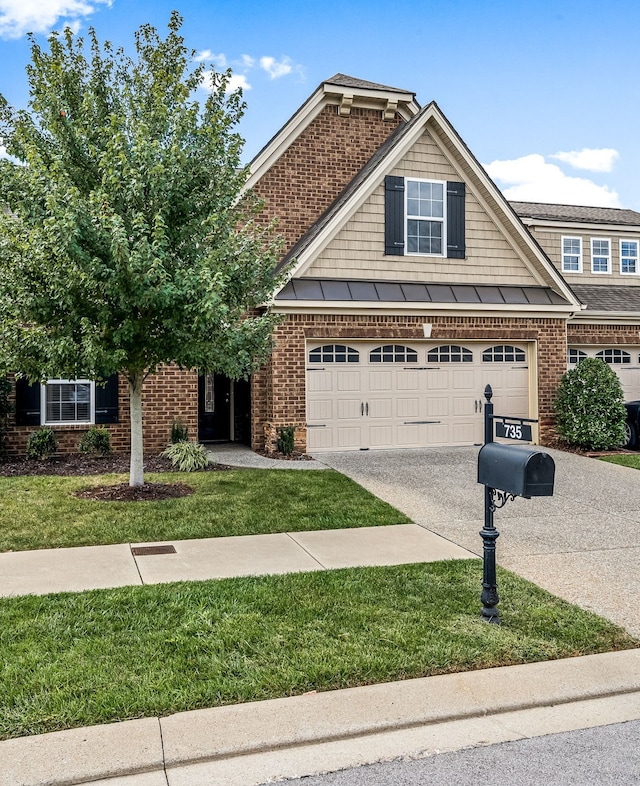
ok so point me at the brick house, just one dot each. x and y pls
(412, 283)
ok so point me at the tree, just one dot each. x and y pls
(124, 243)
(589, 407)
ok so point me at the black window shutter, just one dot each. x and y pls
(27, 402)
(394, 215)
(456, 248)
(107, 400)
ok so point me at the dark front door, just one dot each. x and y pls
(214, 408)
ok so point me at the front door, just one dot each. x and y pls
(214, 408)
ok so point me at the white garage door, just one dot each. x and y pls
(624, 361)
(381, 395)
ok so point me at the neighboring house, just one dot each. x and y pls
(412, 284)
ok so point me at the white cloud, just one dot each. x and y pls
(219, 61)
(532, 179)
(236, 81)
(248, 61)
(18, 17)
(276, 69)
(593, 159)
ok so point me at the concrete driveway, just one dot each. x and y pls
(582, 544)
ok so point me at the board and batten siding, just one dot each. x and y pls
(357, 251)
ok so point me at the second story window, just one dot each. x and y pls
(629, 257)
(600, 255)
(572, 255)
(425, 216)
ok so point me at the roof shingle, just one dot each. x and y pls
(576, 213)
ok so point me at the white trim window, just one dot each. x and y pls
(571, 254)
(600, 255)
(628, 257)
(425, 211)
(68, 401)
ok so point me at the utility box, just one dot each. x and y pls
(516, 470)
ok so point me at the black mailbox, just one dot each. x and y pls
(520, 471)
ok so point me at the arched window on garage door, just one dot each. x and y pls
(575, 356)
(334, 353)
(503, 353)
(393, 353)
(450, 353)
(615, 357)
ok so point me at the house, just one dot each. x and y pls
(412, 284)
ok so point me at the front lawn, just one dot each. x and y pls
(40, 512)
(71, 660)
(624, 459)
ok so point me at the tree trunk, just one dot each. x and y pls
(136, 469)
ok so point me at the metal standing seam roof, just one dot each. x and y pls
(576, 213)
(599, 297)
(358, 291)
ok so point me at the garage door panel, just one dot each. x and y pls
(409, 436)
(348, 438)
(381, 436)
(437, 407)
(463, 405)
(348, 381)
(408, 407)
(380, 407)
(321, 409)
(463, 379)
(380, 380)
(319, 439)
(348, 408)
(407, 380)
(320, 381)
(437, 379)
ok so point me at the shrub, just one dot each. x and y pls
(5, 411)
(95, 441)
(589, 406)
(41, 444)
(179, 432)
(285, 440)
(187, 456)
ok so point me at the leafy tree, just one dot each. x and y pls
(124, 244)
(589, 407)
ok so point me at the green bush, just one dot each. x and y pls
(187, 456)
(95, 441)
(285, 440)
(179, 432)
(41, 444)
(589, 406)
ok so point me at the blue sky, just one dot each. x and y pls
(544, 93)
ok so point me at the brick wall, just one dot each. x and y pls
(170, 394)
(311, 173)
(609, 335)
(279, 393)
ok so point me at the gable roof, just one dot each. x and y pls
(576, 213)
(344, 91)
(342, 80)
(469, 169)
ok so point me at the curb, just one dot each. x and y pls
(186, 746)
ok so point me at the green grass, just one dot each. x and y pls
(71, 660)
(41, 512)
(624, 459)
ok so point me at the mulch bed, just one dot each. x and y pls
(74, 464)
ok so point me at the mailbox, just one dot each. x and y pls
(520, 471)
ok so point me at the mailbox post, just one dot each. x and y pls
(507, 472)
(489, 533)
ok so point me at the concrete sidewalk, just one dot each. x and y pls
(250, 744)
(99, 567)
